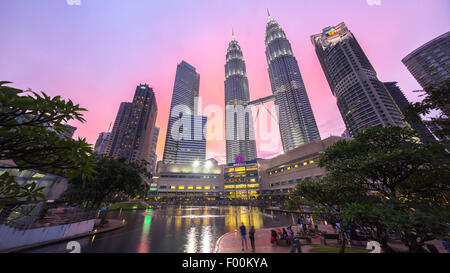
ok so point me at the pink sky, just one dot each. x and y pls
(96, 53)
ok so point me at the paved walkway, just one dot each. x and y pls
(231, 242)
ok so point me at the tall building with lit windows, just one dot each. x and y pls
(362, 99)
(430, 63)
(241, 181)
(296, 119)
(185, 137)
(134, 127)
(240, 138)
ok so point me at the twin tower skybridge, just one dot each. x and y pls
(262, 101)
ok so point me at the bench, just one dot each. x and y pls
(330, 236)
(362, 240)
(284, 242)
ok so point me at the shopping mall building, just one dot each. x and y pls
(247, 180)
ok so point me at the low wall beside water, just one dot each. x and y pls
(11, 237)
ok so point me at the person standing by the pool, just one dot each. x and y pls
(243, 238)
(251, 235)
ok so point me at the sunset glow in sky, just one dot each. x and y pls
(98, 52)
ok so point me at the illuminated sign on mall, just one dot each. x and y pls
(331, 32)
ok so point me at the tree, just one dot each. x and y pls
(32, 128)
(113, 176)
(435, 99)
(326, 199)
(406, 182)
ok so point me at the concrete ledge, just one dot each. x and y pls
(115, 224)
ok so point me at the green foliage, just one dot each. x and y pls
(333, 249)
(31, 135)
(386, 181)
(12, 192)
(436, 98)
(113, 176)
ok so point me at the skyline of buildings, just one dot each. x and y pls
(362, 99)
(239, 130)
(295, 117)
(120, 58)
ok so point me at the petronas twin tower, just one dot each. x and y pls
(296, 120)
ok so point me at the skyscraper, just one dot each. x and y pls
(153, 157)
(240, 138)
(101, 143)
(183, 118)
(362, 99)
(296, 119)
(402, 103)
(133, 130)
(430, 63)
(119, 128)
(192, 143)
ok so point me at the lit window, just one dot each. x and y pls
(181, 187)
(207, 187)
(198, 188)
(190, 187)
(305, 163)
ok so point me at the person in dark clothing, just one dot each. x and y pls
(251, 235)
(243, 238)
(285, 235)
(273, 237)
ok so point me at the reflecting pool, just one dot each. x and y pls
(189, 229)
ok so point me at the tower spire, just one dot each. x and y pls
(268, 13)
(232, 33)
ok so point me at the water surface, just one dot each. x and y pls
(189, 229)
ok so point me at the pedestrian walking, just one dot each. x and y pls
(243, 238)
(251, 235)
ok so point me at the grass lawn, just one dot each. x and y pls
(335, 249)
(126, 205)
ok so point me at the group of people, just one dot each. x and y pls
(282, 234)
(251, 236)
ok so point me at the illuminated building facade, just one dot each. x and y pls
(153, 157)
(240, 138)
(296, 119)
(134, 127)
(190, 181)
(185, 145)
(430, 63)
(241, 181)
(281, 174)
(362, 99)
